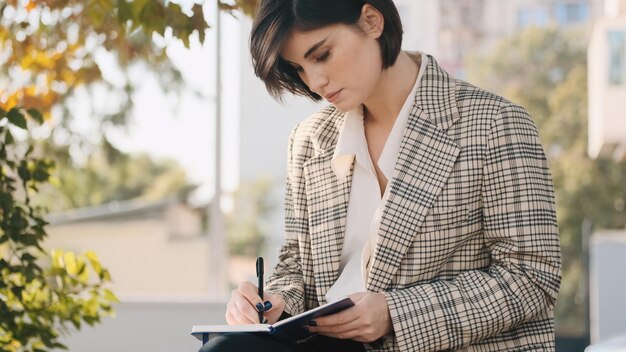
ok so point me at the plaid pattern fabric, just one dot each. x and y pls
(468, 253)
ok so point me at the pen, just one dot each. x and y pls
(259, 274)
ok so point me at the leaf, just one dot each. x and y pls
(137, 7)
(17, 118)
(36, 115)
(109, 296)
(23, 171)
(57, 257)
(95, 262)
(8, 138)
(27, 257)
(69, 259)
(6, 200)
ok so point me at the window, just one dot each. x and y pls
(533, 17)
(571, 13)
(617, 57)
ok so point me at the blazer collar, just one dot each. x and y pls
(426, 159)
(436, 96)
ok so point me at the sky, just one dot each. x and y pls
(184, 130)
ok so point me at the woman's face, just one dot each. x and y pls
(338, 62)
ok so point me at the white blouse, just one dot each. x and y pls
(365, 206)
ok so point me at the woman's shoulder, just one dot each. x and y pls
(480, 107)
(320, 129)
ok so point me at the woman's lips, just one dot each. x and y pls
(333, 97)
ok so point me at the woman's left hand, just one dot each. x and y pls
(366, 321)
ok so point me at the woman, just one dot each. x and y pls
(428, 201)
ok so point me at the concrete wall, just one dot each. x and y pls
(148, 326)
(142, 255)
(607, 285)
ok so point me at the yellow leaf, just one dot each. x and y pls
(110, 296)
(70, 263)
(30, 5)
(11, 101)
(56, 258)
(84, 274)
(26, 62)
(95, 262)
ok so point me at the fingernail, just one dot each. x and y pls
(313, 323)
(306, 329)
(265, 321)
(259, 307)
(268, 305)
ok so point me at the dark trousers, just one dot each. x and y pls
(263, 343)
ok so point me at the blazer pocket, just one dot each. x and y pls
(439, 218)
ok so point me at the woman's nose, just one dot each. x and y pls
(318, 81)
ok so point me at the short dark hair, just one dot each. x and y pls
(275, 19)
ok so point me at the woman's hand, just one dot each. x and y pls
(243, 303)
(366, 321)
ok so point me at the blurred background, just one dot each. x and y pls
(170, 156)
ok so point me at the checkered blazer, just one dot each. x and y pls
(468, 253)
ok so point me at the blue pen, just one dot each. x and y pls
(259, 275)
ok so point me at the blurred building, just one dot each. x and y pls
(152, 249)
(451, 29)
(607, 83)
(607, 139)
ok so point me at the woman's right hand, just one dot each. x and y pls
(241, 308)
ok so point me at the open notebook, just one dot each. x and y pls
(291, 329)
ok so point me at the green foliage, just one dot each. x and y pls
(108, 175)
(54, 47)
(39, 295)
(545, 70)
(247, 223)
(58, 51)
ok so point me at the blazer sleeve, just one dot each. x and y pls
(287, 279)
(520, 232)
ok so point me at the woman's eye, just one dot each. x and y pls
(323, 57)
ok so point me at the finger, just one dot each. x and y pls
(229, 318)
(341, 318)
(250, 292)
(232, 314)
(357, 334)
(340, 335)
(273, 302)
(354, 325)
(248, 314)
(243, 311)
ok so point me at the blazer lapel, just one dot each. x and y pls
(426, 158)
(327, 203)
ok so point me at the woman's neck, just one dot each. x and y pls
(394, 85)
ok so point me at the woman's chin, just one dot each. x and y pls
(344, 106)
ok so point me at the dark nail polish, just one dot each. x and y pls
(313, 323)
(259, 307)
(267, 305)
(306, 329)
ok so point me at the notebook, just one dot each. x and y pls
(290, 329)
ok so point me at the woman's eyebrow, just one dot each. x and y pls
(315, 47)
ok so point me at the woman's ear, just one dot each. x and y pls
(372, 21)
